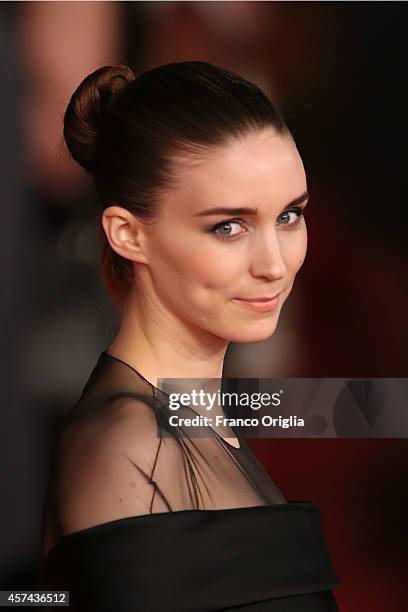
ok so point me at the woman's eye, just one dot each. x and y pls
(232, 228)
(226, 229)
(291, 217)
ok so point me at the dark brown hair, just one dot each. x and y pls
(126, 132)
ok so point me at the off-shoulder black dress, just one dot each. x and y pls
(174, 523)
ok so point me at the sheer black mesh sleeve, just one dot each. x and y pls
(139, 516)
(106, 466)
(114, 461)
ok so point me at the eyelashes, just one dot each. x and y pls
(229, 222)
(214, 230)
(298, 212)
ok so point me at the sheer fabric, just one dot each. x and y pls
(128, 493)
(115, 460)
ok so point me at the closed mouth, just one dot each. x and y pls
(261, 299)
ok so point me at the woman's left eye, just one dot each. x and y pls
(291, 217)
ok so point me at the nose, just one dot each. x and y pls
(267, 259)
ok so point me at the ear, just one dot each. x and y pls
(125, 233)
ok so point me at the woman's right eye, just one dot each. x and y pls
(226, 226)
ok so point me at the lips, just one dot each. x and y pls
(261, 304)
(261, 299)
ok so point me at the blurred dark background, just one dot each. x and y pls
(337, 71)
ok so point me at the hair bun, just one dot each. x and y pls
(88, 107)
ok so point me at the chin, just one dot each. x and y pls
(253, 332)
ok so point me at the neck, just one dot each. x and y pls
(158, 345)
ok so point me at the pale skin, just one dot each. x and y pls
(180, 319)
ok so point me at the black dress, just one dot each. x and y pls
(157, 520)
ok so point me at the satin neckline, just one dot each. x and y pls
(288, 505)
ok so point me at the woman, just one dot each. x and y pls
(203, 191)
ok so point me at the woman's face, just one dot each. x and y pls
(202, 264)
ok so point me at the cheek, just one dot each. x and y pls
(202, 267)
(296, 249)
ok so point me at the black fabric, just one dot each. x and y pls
(150, 521)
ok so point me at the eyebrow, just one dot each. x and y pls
(246, 210)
